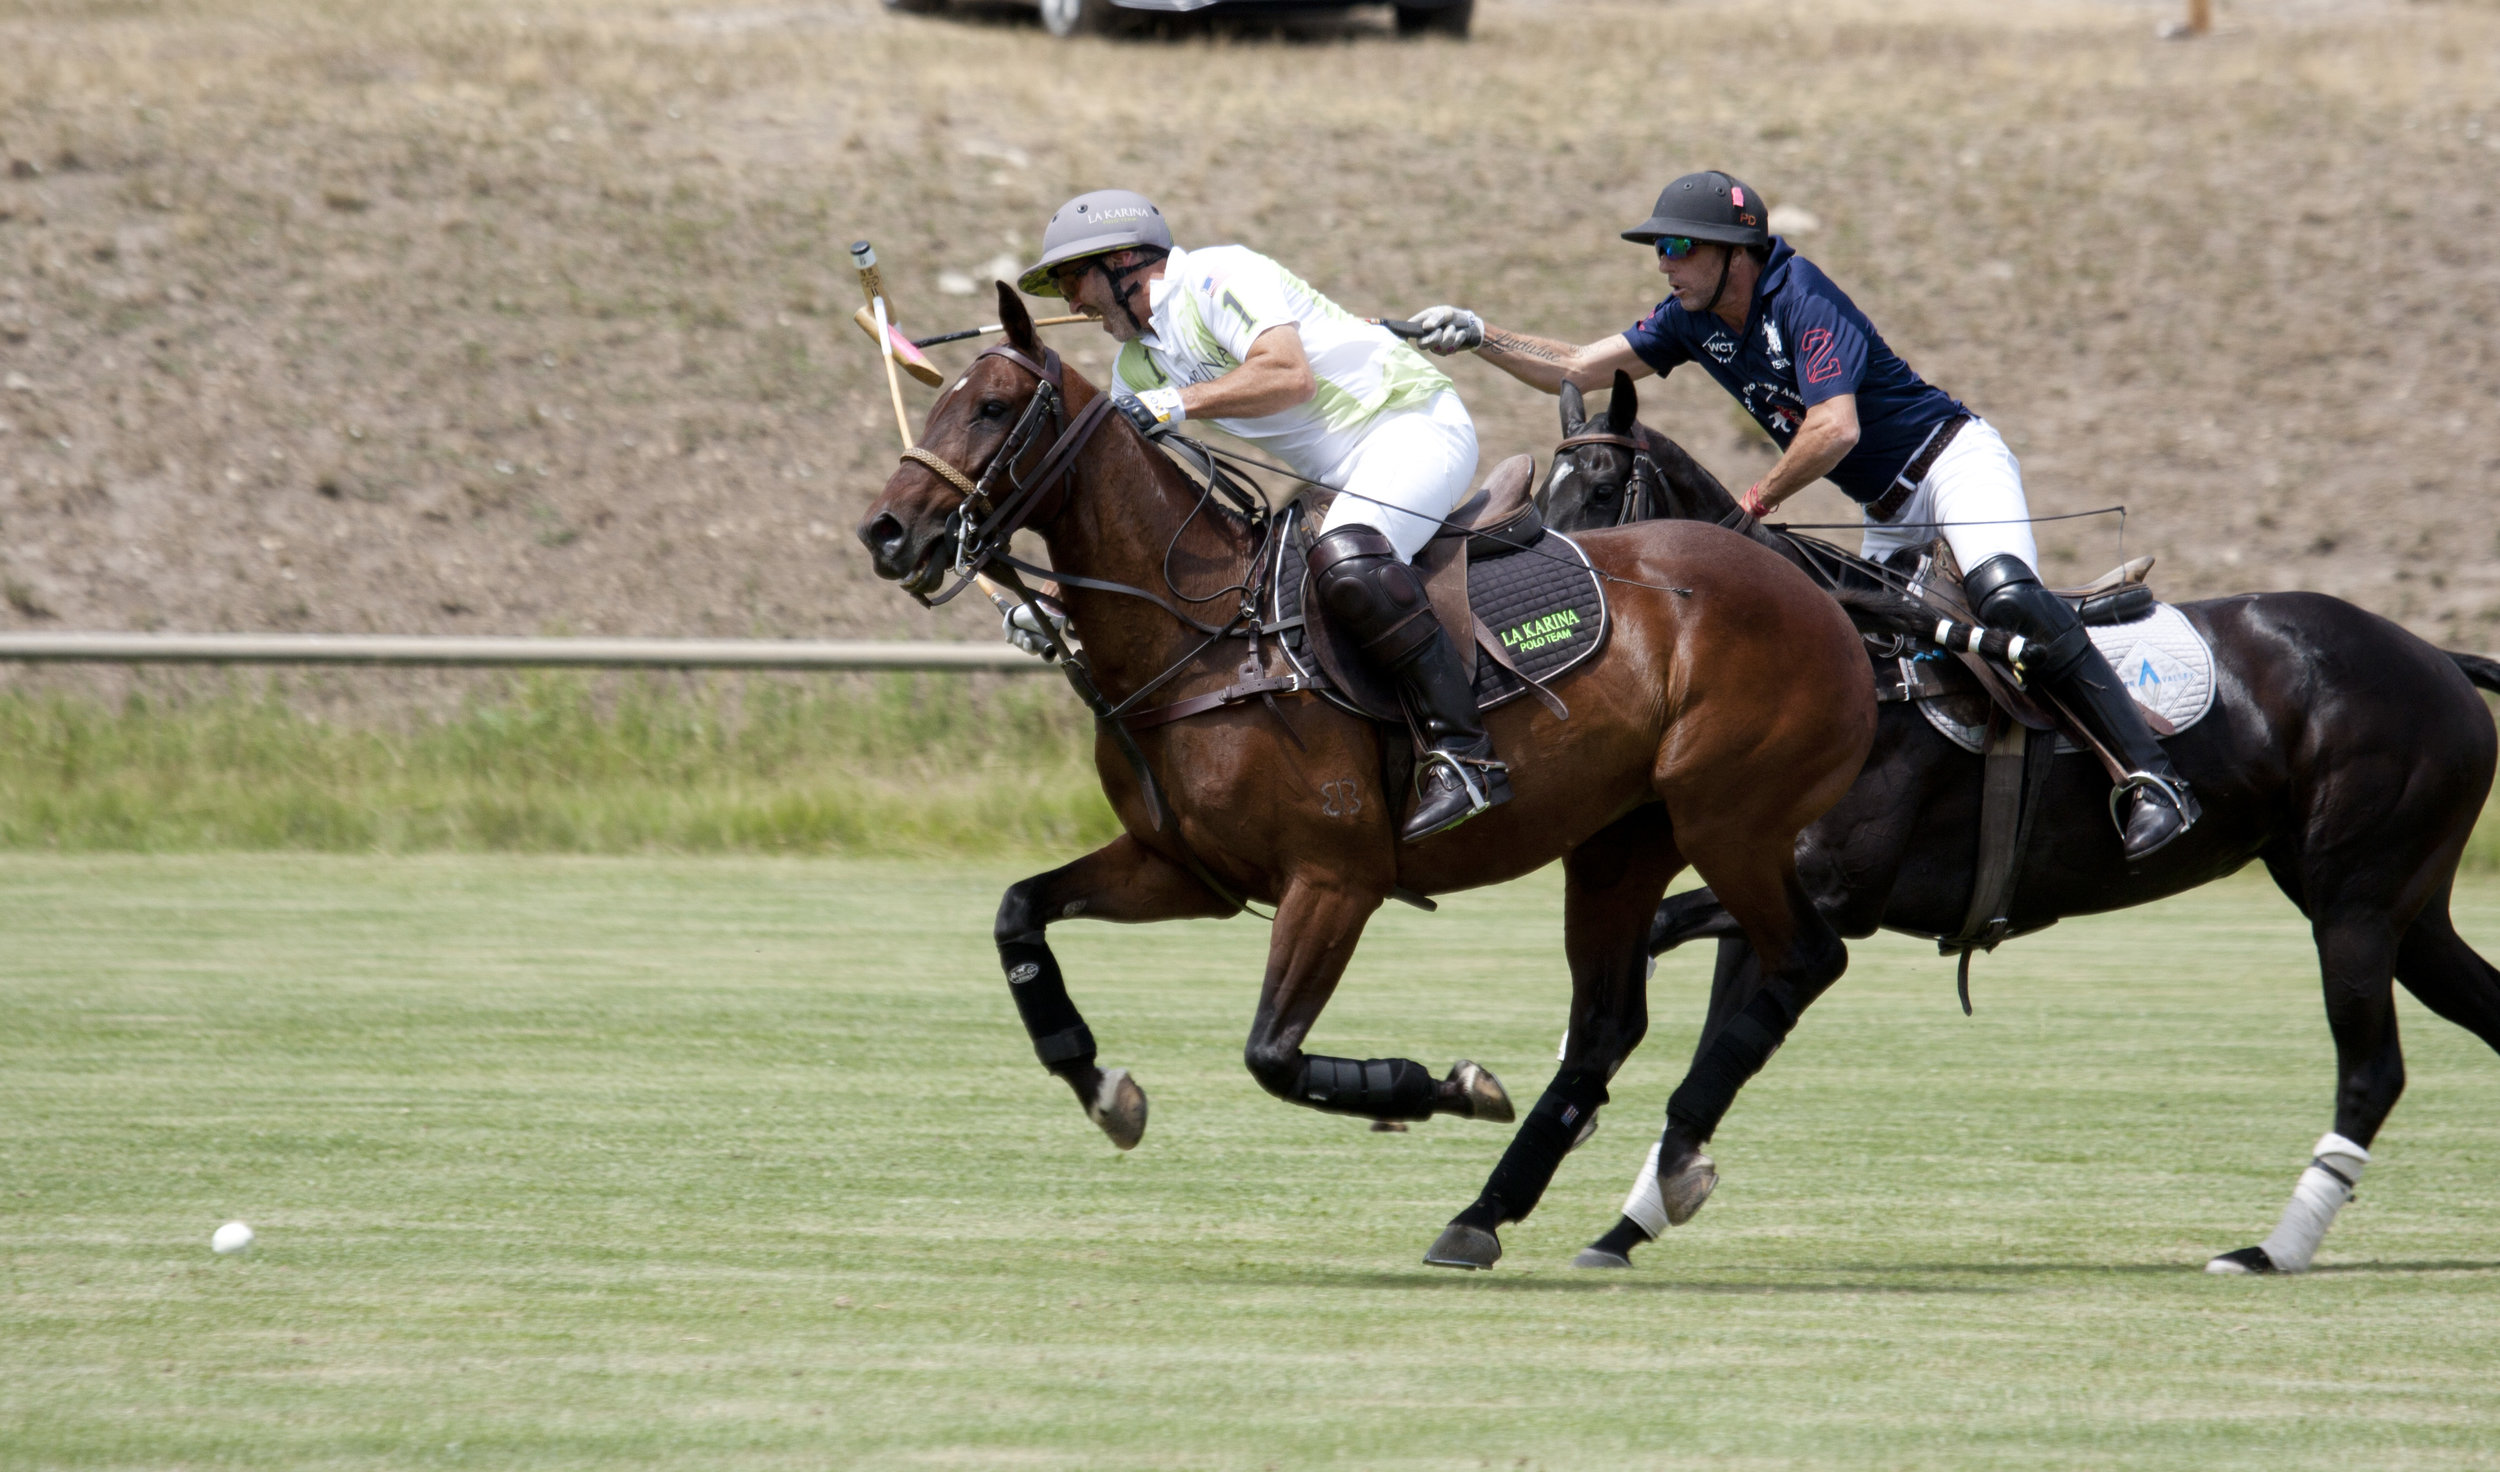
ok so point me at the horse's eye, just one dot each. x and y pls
(993, 408)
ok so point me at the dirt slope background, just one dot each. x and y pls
(446, 316)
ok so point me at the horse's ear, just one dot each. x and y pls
(1017, 322)
(1623, 409)
(1574, 410)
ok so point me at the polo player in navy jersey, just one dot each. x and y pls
(1774, 331)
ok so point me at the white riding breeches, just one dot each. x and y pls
(1973, 494)
(1412, 470)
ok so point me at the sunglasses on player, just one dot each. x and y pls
(1676, 247)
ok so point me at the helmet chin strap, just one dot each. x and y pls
(1727, 262)
(1118, 280)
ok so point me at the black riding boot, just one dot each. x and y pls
(1380, 601)
(2065, 662)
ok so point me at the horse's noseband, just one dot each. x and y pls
(983, 524)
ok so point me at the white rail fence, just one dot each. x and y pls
(450, 652)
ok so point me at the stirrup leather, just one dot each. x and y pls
(1458, 765)
(2161, 787)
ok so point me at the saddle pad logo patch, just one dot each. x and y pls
(2164, 663)
(1536, 633)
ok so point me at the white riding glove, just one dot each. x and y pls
(1450, 330)
(1024, 630)
(1156, 411)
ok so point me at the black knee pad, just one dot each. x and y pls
(2007, 595)
(1364, 586)
(1060, 1036)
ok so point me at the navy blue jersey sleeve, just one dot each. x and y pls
(1830, 349)
(1655, 343)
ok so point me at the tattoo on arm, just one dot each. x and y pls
(1520, 346)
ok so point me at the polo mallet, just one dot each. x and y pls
(892, 348)
(918, 366)
(902, 348)
(1399, 327)
(872, 286)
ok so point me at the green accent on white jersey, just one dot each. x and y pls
(1212, 303)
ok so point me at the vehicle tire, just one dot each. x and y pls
(1064, 18)
(1436, 20)
(915, 7)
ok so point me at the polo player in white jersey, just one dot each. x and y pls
(1222, 333)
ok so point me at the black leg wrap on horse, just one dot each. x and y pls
(1060, 1036)
(1537, 1151)
(1734, 1056)
(1375, 1088)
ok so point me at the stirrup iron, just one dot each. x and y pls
(1477, 800)
(2161, 787)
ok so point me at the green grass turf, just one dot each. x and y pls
(730, 1163)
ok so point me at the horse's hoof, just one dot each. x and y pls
(1683, 1192)
(1599, 1257)
(1482, 1094)
(1119, 1107)
(2246, 1260)
(1464, 1247)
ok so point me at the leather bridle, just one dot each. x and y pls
(989, 518)
(1645, 469)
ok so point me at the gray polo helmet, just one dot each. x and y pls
(1094, 224)
(1706, 206)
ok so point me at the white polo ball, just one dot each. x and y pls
(232, 1237)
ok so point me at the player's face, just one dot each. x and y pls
(1694, 277)
(1088, 289)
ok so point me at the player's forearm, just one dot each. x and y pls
(1252, 391)
(1812, 455)
(1539, 362)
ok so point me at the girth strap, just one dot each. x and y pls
(1234, 694)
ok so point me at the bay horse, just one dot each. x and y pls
(1731, 705)
(2348, 756)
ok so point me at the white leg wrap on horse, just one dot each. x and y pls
(1645, 1207)
(2324, 1188)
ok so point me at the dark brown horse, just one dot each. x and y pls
(2348, 756)
(1730, 707)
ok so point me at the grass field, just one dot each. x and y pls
(744, 1163)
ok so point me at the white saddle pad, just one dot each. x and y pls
(2161, 659)
(2164, 663)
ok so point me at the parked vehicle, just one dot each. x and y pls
(1104, 17)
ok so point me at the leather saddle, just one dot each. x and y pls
(2119, 596)
(1497, 522)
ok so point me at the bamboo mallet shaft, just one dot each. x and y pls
(872, 286)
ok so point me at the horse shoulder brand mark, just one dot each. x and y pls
(1341, 799)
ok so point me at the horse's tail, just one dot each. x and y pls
(2483, 672)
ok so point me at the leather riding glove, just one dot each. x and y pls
(1023, 628)
(1156, 412)
(1450, 330)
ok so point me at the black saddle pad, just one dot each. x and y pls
(1542, 604)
